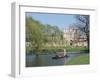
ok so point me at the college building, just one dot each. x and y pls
(73, 37)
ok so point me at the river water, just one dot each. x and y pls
(46, 59)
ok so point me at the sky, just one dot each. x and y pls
(61, 20)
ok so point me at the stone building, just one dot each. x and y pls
(73, 37)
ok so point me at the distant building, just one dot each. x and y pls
(74, 38)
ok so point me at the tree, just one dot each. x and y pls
(83, 25)
(33, 34)
(38, 35)
(52, 34)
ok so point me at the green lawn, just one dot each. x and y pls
(67, 48)
(45, 50)
(79, 60)
(76, 49)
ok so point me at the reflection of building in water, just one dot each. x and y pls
(73, 37)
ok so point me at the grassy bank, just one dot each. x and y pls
(68, 49)
(53, 50)
(79, 60)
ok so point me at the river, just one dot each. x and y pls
(46, 59)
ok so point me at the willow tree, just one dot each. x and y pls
(33, 34)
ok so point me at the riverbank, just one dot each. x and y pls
(55, 50)
(79, 60)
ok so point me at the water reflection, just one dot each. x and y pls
(46, 59)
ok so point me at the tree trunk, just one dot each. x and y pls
(88, 42)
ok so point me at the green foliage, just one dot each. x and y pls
(37, 35)
(33, 34)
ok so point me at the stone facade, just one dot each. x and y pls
(74, 38)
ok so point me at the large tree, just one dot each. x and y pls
(38, 35)
(33, 34)
(84, 25)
